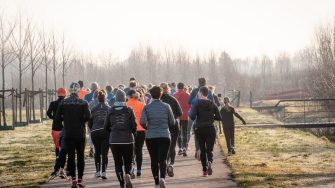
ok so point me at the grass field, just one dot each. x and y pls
(27, 156)
(280, 157)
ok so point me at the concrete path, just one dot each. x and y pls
(188, 173)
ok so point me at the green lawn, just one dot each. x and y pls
(280, 157)
(27, 156)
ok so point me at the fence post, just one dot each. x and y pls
(16, 105)
(13, 109)
(41, 103)
(250, 99)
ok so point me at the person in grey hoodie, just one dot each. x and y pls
(120, 123)
(99, 135)
(157, 118)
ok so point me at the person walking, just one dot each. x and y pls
(177, 112)
(157, 118)
(82, 92)
(99, 135)
(227, 113)
(137, 106)
(57, 126)
(121, 125)
(74, 112)
(182, 98)
(89, 96)
(204, 112)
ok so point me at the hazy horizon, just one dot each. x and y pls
(242, 28)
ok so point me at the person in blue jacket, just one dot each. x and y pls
(94, 87)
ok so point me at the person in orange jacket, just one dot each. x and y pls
(82, 92)
(137, 106)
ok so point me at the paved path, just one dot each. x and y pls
(188, 174)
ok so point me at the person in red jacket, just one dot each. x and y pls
(182, 98)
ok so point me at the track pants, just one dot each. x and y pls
(123, 156)
(139, 142)
(172, 149)
(61, 158)
(158, 149)
(75, 145)
(55, 137)
(100, 139)
(229, 133)
(206, 139)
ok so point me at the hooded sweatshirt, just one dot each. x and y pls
(204, 112)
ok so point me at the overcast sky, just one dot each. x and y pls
(243, 28)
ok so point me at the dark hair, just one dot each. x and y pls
(81, 83)
(173, 84)
(109, 88)
(101, 96)
(132, 79)
(156, 92)
(180, 85)
(204, 91)
(132, 84)
(202, 82)
(133, 94)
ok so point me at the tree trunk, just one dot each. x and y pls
(3, 89)
(46, 85)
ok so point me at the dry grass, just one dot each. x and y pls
(280, 157)
(27, 156)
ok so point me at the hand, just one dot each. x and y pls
(244, 123)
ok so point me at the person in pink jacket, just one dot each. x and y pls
(182, 98)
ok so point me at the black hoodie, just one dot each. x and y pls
(205, 112)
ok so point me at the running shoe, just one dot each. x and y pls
(98, 174)
(91, 154)
(103, 175)
(138, 173)
(52, 176)
(233, 151)
(74, 183)
(170, 171)
(180, 152)
(184, 152)
(132, 174)
(162, 183)
(205, 174)
(80, 183)
(210, 170)
(62, 174)
(128, 181)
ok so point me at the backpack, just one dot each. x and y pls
(120, 119)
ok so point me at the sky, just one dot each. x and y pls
(243, 28)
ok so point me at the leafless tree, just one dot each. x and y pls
(6, 53)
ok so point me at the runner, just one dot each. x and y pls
(182, 98)
(100, 136)
(89, 96)
(204, 112)
(157, 117)
(177, 112)
(121, 124)
(74, 112)
(57, 126)
(83, 92)
(137, 106)
(110, 94)
(173, 88)
(227, 113)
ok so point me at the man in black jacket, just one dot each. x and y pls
(74, 112)
(177, 112)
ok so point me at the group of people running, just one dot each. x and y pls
(123, 119)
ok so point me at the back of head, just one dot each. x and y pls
(133, 94)
(61, 92)
(109, 88)
(132, 84)
(120, 96)
(204, 91)
(156, 92)
(81, 83)
(132, 79)
(165, 87)
(74, 88)
(94, 86)
(101, 96)
(202, 82)
(180, 85)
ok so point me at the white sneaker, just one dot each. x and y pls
(103, 175)
(98, 174)
(162, 183)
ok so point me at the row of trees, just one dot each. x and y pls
(30, 55)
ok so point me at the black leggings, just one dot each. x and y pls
(229, 130)
(100, 139)
(172, 149)
(139, 142)
(122, 154)
(206, 139)
(158, 149)
(183, 133)
(75, 145)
